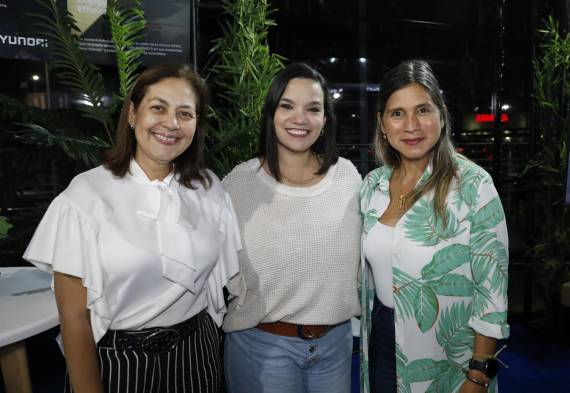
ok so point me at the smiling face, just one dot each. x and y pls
(411, 123)
(164, 122)
(299, 117)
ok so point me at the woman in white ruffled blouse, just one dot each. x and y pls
(141, 248)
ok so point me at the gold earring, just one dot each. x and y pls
(132, 126)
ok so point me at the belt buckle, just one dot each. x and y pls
(163, 340)
(309, 335)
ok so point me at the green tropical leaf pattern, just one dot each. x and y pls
(425, 369)
(467, 190)
(426, 308)
(446, 260)
(370, 218)
(401, 362)
(447, 381)
(453, 285)
(453, 332)
(422, 226)
(446, 278)
(489, 216)
(482, 298)
(496, 318)
(405, 293)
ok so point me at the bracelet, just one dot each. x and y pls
(476, 381)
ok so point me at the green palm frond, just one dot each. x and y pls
(453, 333)
(489, 216)
(401, 363)
(453, 285)
(426, 308)
(481, 300)
(469, 181)
(127, 21)
(424, 227)
(85, 149)
(406, 289)
(426, 369)
(74, 71)
(447, 381)
(446, 260)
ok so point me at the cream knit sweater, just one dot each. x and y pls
(301, 248)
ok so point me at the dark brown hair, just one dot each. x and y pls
(324, 147)
(189, 165)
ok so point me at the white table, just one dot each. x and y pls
(27, 307)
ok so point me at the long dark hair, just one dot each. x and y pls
(190, 164)
(324, 147)
(442, 154)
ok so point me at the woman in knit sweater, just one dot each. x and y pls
(288, 322)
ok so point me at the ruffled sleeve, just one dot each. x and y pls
(66, 242)
(227, 265)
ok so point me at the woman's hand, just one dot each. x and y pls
(470, 387)
(78, 343)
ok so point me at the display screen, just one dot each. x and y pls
(167, 37)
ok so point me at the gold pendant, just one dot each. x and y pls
(401, 201)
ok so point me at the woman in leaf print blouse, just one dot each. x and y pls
(434, 250)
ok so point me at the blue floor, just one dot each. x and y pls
(538, 363)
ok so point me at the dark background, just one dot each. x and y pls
(482, 53)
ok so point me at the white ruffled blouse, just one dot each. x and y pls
(149, 253)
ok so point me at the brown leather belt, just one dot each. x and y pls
(307, 332)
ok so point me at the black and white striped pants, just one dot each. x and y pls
(193, 366)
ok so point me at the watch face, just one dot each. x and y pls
(489, 367)
(492, 368)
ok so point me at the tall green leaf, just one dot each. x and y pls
(242, 71)
(127, 21)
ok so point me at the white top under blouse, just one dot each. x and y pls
(378, 252)
(301, 248)
(149, 253)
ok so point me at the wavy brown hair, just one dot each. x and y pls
(442, 154)
(189, 165)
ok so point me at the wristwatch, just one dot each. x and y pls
(489, 367)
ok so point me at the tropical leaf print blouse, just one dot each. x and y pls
(450, 279)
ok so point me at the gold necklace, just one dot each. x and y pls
(403, 197)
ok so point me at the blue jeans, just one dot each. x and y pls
(260, 362)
